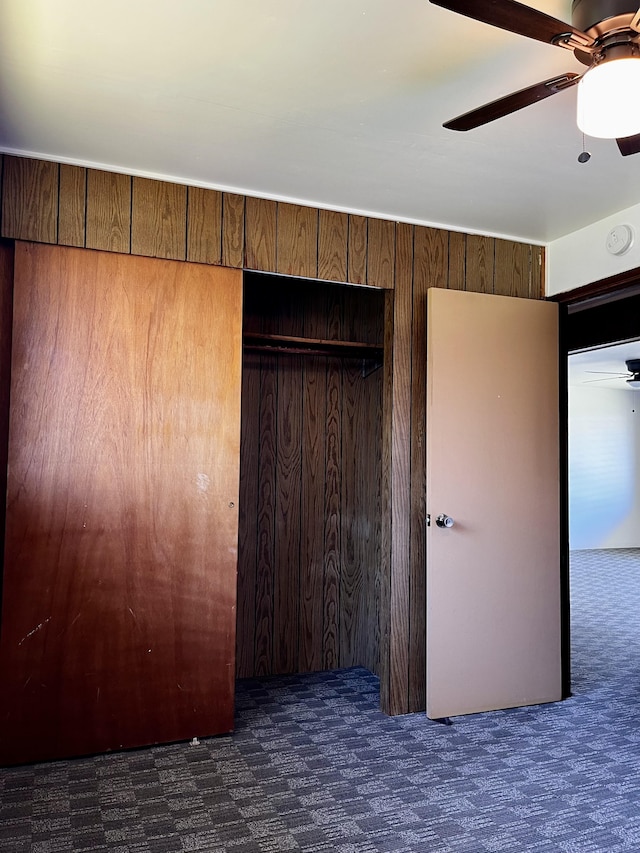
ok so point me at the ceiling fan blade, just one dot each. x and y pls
(629, 145)
(513, 102)
(518, 18)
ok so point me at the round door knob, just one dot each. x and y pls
(444, 520)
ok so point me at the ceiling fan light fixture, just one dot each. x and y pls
(608, 102)
(634, 382)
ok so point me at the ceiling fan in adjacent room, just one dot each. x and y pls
(632, 376)
(604, 35)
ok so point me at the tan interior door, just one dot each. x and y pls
(119, 597)
(493, 578)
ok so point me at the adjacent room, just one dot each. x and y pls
(604, 513)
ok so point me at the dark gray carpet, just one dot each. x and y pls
(314, 766)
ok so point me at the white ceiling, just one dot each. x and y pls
(603, 367)
(335, 103)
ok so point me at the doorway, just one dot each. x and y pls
(600, 333)
(604, 509)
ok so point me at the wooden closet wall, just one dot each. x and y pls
(309, 562)
(75, 206)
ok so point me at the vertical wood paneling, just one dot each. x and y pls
(357, 254)
(204, 226)
(355, 314)
(371, 430)
(314, 404)
(457, 261)
(324, 559)
(351, 566)
(286, 611)
(72, 206)
(360, 529)
(335, 311)
(266, 516)
(399, 605)
(381, 245)
(30, 199)
(297, 240)
(284, 309)
(248, 518)
(312, 580)
(331, 619)
(260, 234)
(512, 274)
(159, 219)
(333, 229)
(333, 488)
(430, 269)
(233, 230)
(479, 265)
(386, 499)
(108, 211)
(6, 316)
(537, 272)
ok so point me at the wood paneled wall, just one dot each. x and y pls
(309, 559)
(6, 314)
(73, 206)
(48, 202)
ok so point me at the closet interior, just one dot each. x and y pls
(310, 510)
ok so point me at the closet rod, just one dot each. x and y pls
(311, 346)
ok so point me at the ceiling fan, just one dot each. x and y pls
(632, 376)
(604, 35)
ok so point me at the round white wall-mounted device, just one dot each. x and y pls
(619, 239)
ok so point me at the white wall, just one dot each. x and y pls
(604, 468)
(581, 257)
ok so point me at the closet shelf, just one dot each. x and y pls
(311, 346)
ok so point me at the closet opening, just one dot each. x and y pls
(311, 503)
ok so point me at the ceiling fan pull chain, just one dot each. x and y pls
(584, 156)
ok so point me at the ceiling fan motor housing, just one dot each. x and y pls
(586, 14)
(608, 22)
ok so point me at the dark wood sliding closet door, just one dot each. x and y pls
(120, 562)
